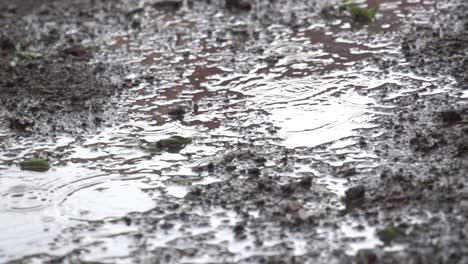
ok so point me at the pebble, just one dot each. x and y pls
(355, 193)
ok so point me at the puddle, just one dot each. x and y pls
(311, 91)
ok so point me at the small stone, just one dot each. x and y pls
(127, 220)
(450, 117)
(177, 112)
(6, 44)
(168, 5)
(294, 205)
(464, 205)
(366, 256)
(196, 192)
(347, 172)
(196, 107)
(172, 144)
(243, 5)
(78, 52)
(253, 171)
(305, 182)
(355, 193)
(20, 124)
(362, 143)
(210, 167)
(239, 231)
(260, 160)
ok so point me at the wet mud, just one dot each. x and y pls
(309, 137)
(48, 86)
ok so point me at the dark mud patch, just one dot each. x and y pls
(48, 81)
(49, 96)
(421, 186)
(440, 47)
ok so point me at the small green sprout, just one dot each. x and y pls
(361, 14)
(388, 234)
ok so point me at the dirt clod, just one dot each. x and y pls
(168, 5)
(366, 256)
(355, 193)
(450, 117)
(78, 52)
(244, 5)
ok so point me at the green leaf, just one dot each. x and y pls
(388, 234)
(28, 55)
(185, 180)
(172, 144)
(35, 165)
(361, 14)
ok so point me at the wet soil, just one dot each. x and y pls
(423, 150)
(47, 96)
(48, 83)
(261, 208)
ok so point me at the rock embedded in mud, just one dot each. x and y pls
(210, 167)
(305, 182)
(172, 144)
(240, 29)
(294, 205)
(239, 231)
(347, 172)
(260, 160)
(177, 112)
(450, 117)
(38, 165)
(78, 52)
(231, 168)
(6, 44)
(243, 5)
(254, 172)
(20, 124)
(168, 5)
(174, 140)
(366, 256)
(355, 193)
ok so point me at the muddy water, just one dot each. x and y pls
(309, 90)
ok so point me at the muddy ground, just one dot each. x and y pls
(47, 85)
(53, 81)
